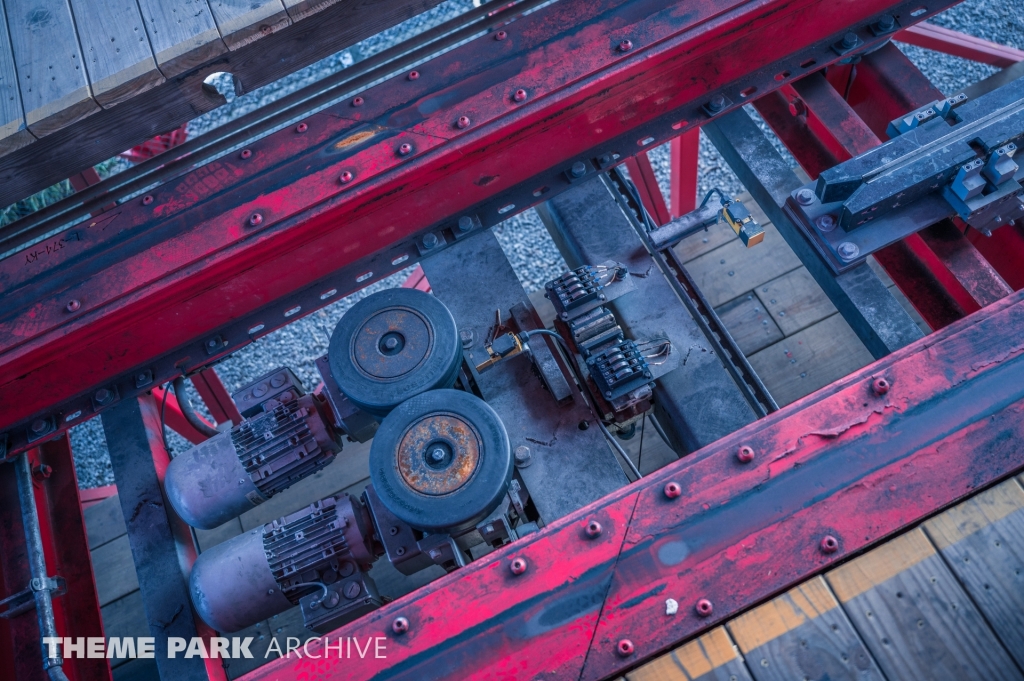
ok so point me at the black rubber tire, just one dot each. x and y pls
(468, 504)
(438, 367)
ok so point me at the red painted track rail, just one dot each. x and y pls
(859, 460)
(175, 280)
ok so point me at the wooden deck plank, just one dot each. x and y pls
(803, 634)
(114, 568)
(124, 618)
(733, 269)
(14, 133)
(207, 539)
(795, 301)
(104, 522)
(182, 33)
(241, 22)
(698, 244)
(810, 359)
(118, 58)
(300, 9)
(710, 657)
(137, 670)
(915, 618)
(749, 323)
(982, 541)
(51, 75)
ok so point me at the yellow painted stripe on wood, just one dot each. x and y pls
(784, 614)
(879, 565)
(690, 661)
(978, 512)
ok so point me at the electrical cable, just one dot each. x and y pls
(619, 449)
(661, 433)
(187, 411)
(715, 190)
(163, 423)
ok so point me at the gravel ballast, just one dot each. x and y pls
(526, 242)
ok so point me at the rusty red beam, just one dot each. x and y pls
(641, 172)
(685, 154)
(860, 460)
(238, 247)
(960, 44)
(66, 548)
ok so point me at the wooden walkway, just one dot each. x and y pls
(797, 343)
(83, 80)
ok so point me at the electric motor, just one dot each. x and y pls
(441, 461)
(235, 471)
(323, 551)
(393, 345)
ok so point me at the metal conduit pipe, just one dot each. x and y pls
(41, 584)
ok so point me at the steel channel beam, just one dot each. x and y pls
(161, 543)
(571, 465)
(240, 246)
(696, 403)
(874, 314)
(66, 549)
(853, 461)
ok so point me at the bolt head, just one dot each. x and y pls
(246, 153)
(673, 490)
(583, 425)
(880, 386)
(39, 426)
(625, 648)
(463, 122)
(745, 454)
(301, 127)
(413, 75)
(518, 566)
(437, 456)
(42, 471)
(346, 177)
(103, 396)
(405, 149)
(805, 196)
(625, 46)
(400, 551)
(886, 22)
(579, 169)
(704, 607)
(352, 589)
(500, 35)
(400, 625)
(829, 544)
(594, 529)
(519, 95)
(74, 305)
(255, 219)
(523, 455)
(466, 337)
(717, 103)
(465, 223)
(850, 39)
(826, 223)
(848, 250)
(357, 101)
(430, 240)
(147, 199)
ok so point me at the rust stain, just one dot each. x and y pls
(460, 438)
(355, 138)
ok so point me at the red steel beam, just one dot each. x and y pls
(215, 396)
(66, 548)
(959, 44)
(685, 154)
(641, 172)
(860, 460)
(236, 247)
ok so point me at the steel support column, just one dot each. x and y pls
(696, 403)
(571, 462)
(685, 155)
(876, 317)
(161, 543)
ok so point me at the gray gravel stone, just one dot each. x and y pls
(525, 240)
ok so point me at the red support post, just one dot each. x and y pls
(958, 44)
(66, 548)
(685, 154)
(642, 174)
(215, 396)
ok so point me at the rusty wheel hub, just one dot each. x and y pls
(438, 454)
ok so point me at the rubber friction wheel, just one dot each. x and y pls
(441, 460)
(393, 345)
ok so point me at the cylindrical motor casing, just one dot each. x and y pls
(232, 586)
(235, 471)
(267, 570)
(208, 486)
